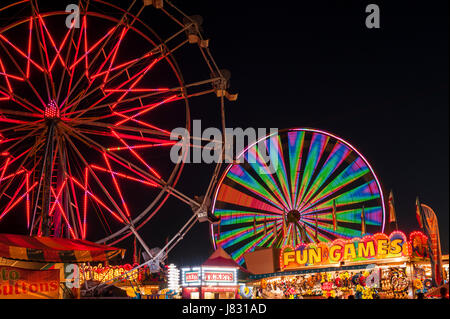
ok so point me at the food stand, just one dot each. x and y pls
(128, 277)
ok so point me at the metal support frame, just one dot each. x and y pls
(45, 177)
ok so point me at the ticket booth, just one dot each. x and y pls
(217, 278)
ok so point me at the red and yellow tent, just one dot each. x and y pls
(54, 250)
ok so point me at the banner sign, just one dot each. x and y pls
(370, 247)
(107, 273)
(431, 228)
(219, 276)
(18, 283)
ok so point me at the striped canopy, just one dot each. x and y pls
(48, 249)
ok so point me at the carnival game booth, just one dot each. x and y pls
(376, 266)
(46, 267)
(217, 278)
(133, 280)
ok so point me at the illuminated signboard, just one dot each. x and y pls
(378, 246)
(173, 278)
(219, 276)
(190, 277)
(106, 273)
(208, 276)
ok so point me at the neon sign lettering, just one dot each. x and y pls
(369, 247)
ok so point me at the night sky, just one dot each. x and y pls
(315, 64)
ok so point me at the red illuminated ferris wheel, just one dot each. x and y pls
(86, 113)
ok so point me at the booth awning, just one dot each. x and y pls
(49, 249)
(220, 258)
(221, 262)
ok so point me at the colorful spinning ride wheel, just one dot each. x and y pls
(313, 187)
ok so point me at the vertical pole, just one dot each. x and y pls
(265, 225)
(47, 182)
(47, 162)
(411, 277)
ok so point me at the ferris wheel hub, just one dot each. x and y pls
(293, 216)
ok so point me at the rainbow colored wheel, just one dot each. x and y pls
(312, 171)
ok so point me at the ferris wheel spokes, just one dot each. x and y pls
(100, 98)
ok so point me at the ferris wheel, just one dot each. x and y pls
(88, 100)
(320, 189)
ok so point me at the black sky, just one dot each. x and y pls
(315, 64)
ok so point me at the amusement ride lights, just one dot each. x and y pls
(315, 169)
